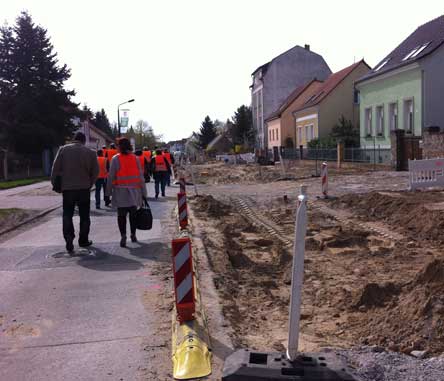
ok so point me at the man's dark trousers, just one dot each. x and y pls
(101, 184)
(81, 198)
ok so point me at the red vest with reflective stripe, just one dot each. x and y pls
(128, 175)
(103, 172)
(160, 164)
(111, 152)
(142, 163)
(105, 152)
(168, 157)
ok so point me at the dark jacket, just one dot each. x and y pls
(76, 165)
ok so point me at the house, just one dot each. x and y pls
(328, 102)
(280, 124)
(95, 138)
(177, 145)
(274, 81)
(220, 144)
(402, 95)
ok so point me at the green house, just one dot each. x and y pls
(404, 91)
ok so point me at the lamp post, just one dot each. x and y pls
(118, 113)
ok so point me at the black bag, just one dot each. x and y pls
(144, 217)
(57, 186)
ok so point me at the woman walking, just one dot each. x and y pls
(126, 185)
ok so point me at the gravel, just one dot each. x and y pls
(374, 365)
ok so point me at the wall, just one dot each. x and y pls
(433, 144)
(433, 88)
(274, 125)
(309, 116)
(387, 90)
(341, 102)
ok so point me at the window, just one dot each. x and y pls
(269, 135)
(299, 135)
(277, 133)
(380, 120)
(408, 116)
(410, 54)
(309, 132)
(393, 116)
(356, 97)
(272, 133)
(368, 121)
(420, 49)
(381, 65)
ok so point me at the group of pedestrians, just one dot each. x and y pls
(118, 172)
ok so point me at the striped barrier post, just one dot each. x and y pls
(183, 210)
(324, 179)
(182, 185)
(183, 279)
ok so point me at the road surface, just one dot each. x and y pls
(101, 315)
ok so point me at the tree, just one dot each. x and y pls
(346, 132)
(35, 108)
(242, 132)
(144, 135)
(207, 132)
(101, 121)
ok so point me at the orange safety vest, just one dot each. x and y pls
(103, 172)
(128, 175)
(105, 152)
(147, 155)
(142, 163)
(168, 157)
(111, 152)
(160, 164)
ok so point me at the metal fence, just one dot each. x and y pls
(27, 166)
(374, 155)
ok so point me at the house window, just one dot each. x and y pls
(393, 116)
(272, 133)
(408, 116)
(381, 65)
(269, 135)
(368, 121)
(356, 97)
(299, 135)
(277, 134)
(380, 120)
(309, 132)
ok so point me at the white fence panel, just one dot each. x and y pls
(235, 159)
(426, 173)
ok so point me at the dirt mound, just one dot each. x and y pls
(433, 273)
(375, 295)
(213, 208)
(420, 215)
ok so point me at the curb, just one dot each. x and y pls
(31, 219)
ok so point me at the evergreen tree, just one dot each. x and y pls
(101, 121)
(207, 132)
(242, 128)
(345, 131)
(34, 105)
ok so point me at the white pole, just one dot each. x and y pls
(324, 179)
(298, 275)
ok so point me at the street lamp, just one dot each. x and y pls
(118, 113)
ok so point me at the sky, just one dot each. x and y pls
(184, 59)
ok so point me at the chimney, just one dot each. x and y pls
(307, 47)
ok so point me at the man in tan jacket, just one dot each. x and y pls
(74, 171)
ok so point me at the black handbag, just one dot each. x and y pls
(144, 217)
(57, 186)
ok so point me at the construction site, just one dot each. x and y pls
(373, 289)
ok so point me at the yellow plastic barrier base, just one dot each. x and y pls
(191, 356)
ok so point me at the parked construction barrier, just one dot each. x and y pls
(182, 185)
(183, 279)
(183, 210)
(324, 179)
(426, 173)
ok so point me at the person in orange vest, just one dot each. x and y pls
(105, 151)
(160, 169)
(111, 152)
(101, 179)
(127, 187)
(143, 163)
(170, 160)
(148, 156)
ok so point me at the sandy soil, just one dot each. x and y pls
(12, 217)
(374, 269)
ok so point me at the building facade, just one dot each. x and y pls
(274, 81)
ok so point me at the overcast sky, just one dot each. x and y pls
(184, 59)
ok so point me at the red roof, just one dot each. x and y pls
(330, 84)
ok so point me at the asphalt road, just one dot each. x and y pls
(100, 315)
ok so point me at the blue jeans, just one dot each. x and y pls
(100, 184)
(160, 179)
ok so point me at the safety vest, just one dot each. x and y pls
(111, 153)
(168, 157)
(128, 175)
(142, 163)
(103, 172)
(105, 152)
(160, 164)
(147, 155)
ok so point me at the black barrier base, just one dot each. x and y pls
(245, 365)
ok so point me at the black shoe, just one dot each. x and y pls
(69, 247)
(163, 195)
(85, 244)
(157, 196)
(123, 242)
(133, 238)
(98, 207)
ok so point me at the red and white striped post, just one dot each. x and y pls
(182, 185)
(183, 279)
(324, 179)
(183, 210)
